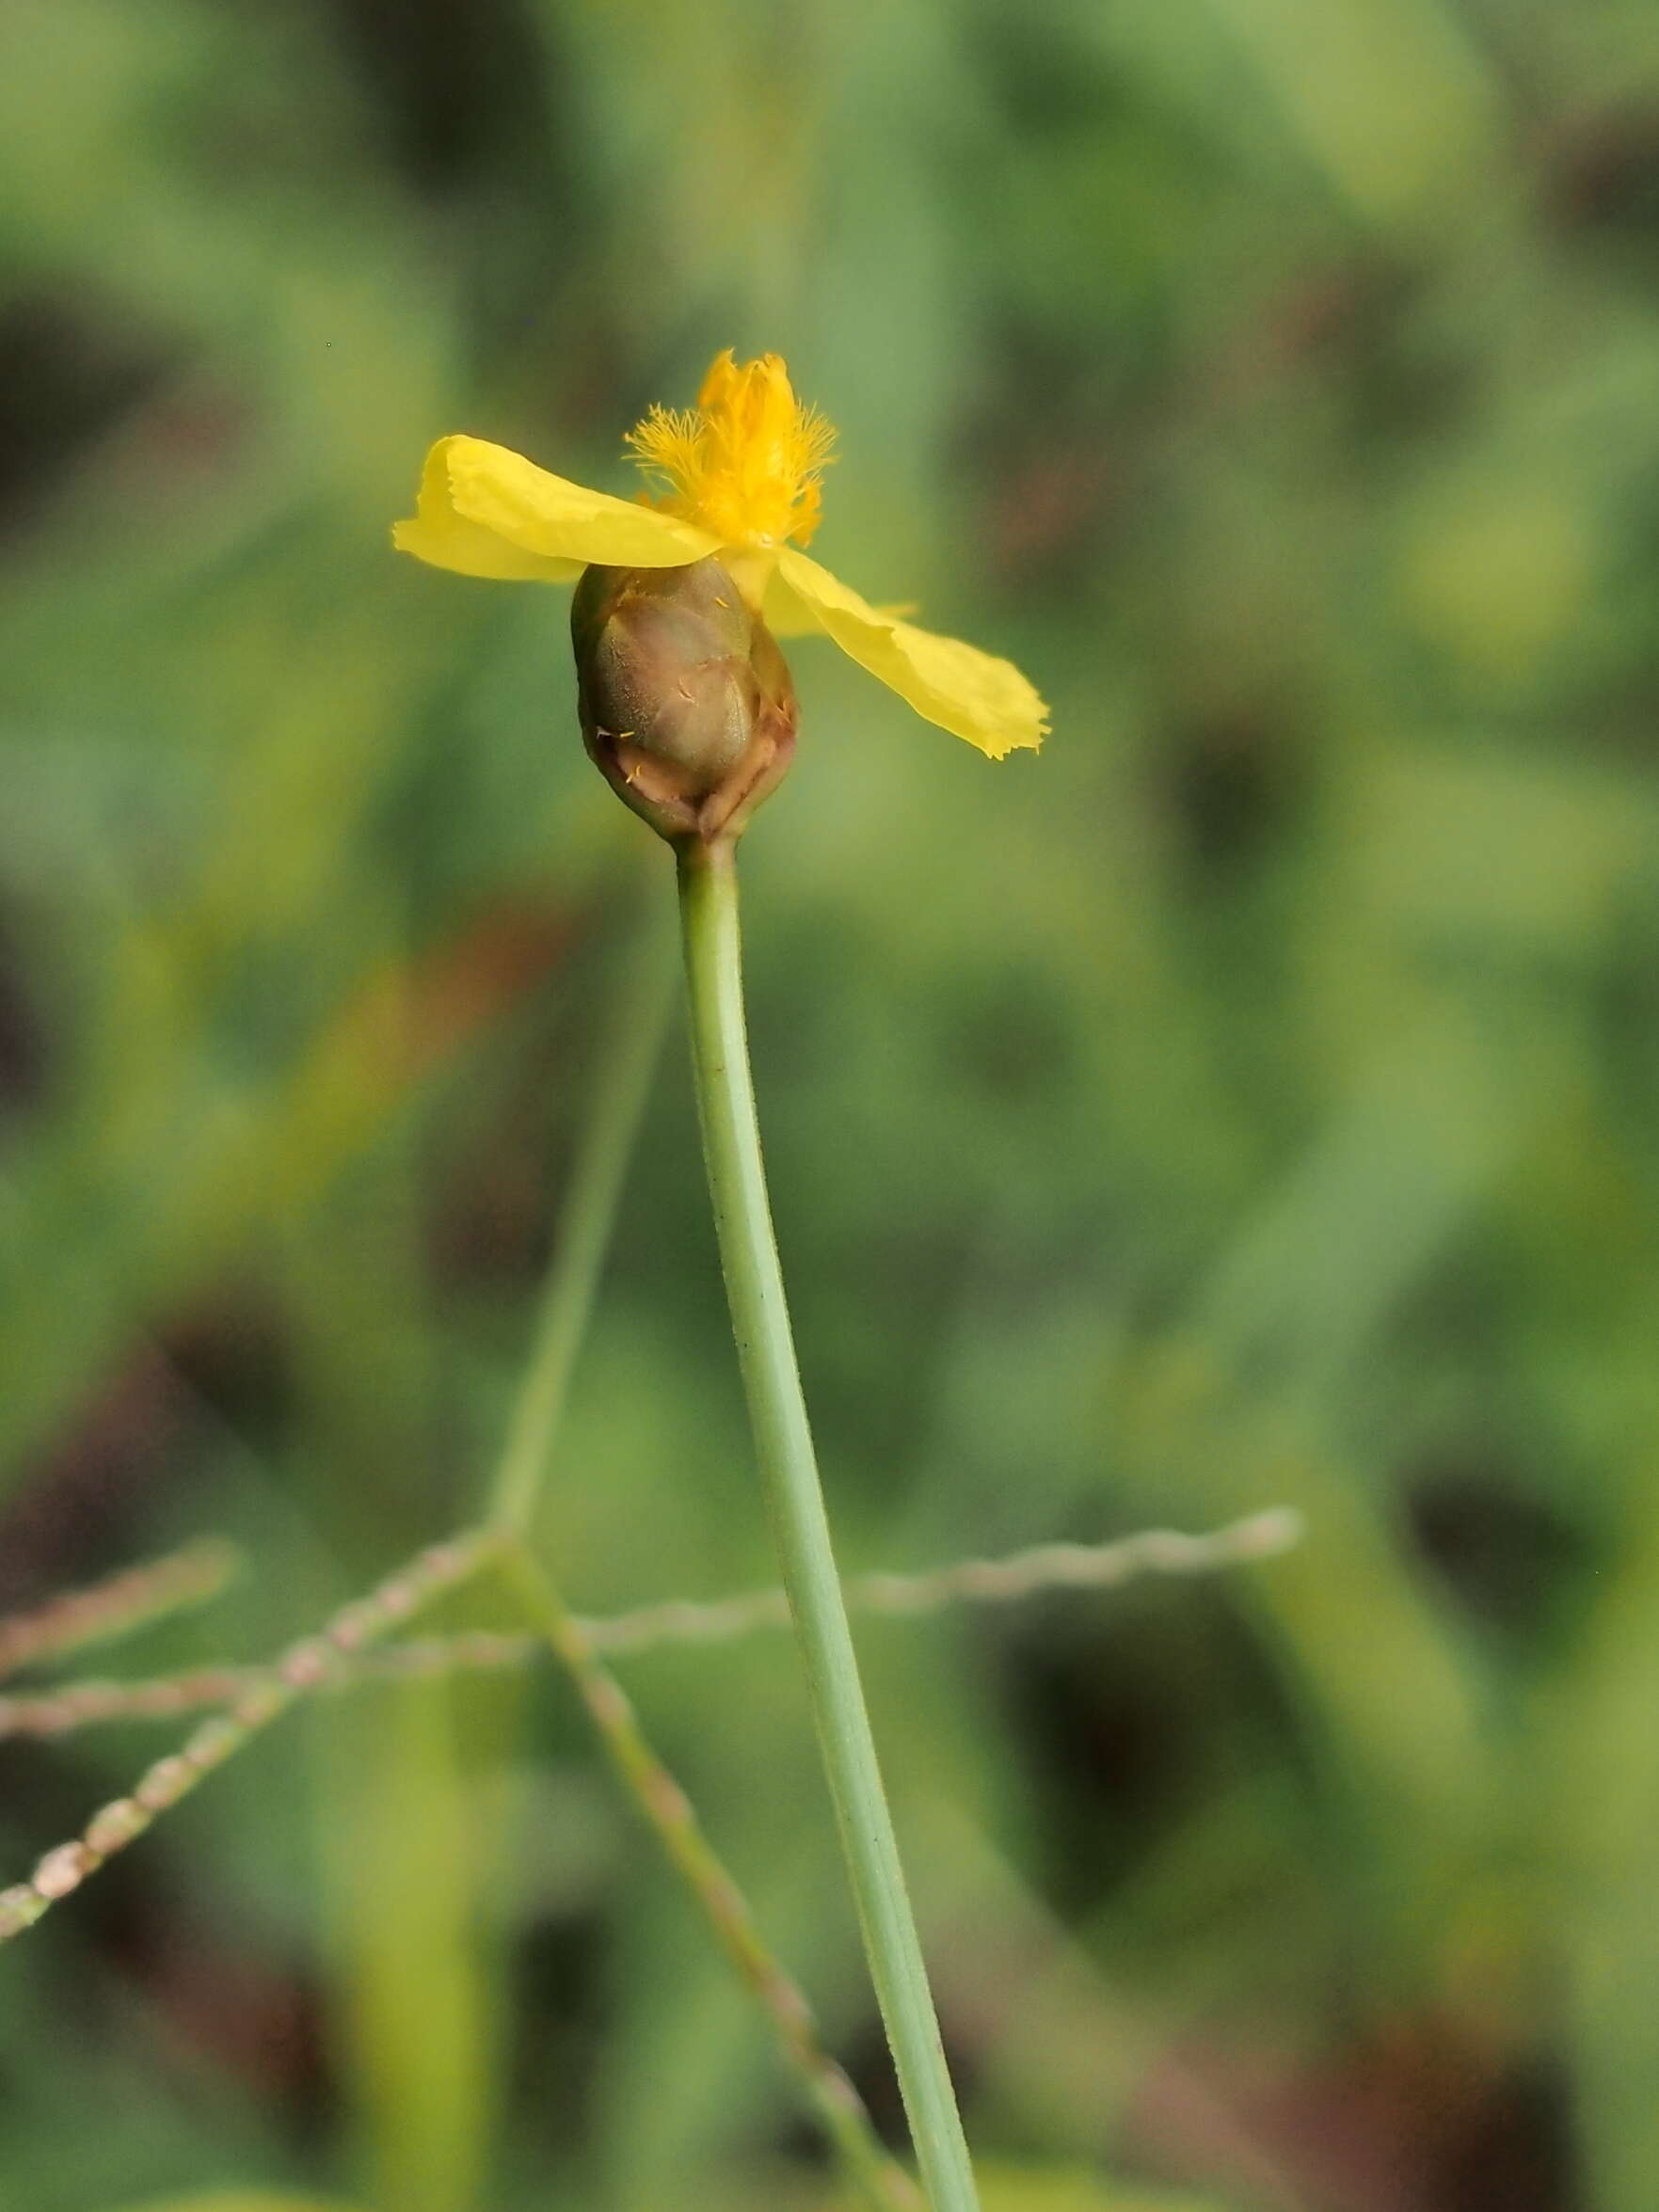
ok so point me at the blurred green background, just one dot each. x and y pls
(1254, 1100)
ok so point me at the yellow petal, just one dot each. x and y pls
(787, 613)
(488, 512)
(437, 535)
(968, 692)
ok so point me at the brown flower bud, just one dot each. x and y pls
(685, 701)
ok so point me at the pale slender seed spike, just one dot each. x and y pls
(61, 1870)
(1023, 1574)
(21, 1906)
(262, 1695)
(77, 1705)
(1045, 1568)
(120, 1604)
(316, 1663)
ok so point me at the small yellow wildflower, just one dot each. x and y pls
(740, 478)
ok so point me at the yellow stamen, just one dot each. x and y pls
(745, 463)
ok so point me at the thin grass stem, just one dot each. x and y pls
(886, 2185)
(622, 1080)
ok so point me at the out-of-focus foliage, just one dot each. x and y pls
(1251, 1100)
(244, 2201)
(1006, 2189)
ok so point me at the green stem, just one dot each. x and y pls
(783, 1441)
(580, 1241)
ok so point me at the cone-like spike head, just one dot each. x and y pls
(686, 702)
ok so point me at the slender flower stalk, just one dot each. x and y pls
(581, 1240)
(788, 1465)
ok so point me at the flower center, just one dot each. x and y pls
(746, 462)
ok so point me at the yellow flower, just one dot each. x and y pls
(739, 476)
